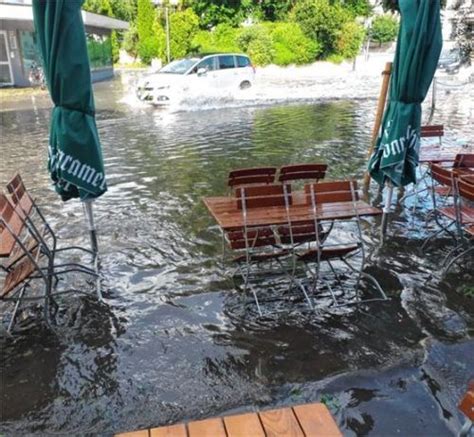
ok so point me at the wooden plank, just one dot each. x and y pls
(169, 431)
(244, 425)
(316, 420)
(207, 428)
(280, 422)
(142, 433)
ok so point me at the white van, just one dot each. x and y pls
(225, 71)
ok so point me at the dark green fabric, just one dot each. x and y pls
(75, 155)
(418, 48)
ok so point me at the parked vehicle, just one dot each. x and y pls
(450, 61)
(219, 71)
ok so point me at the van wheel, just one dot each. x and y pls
(245, 85)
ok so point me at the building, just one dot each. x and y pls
(19, 53)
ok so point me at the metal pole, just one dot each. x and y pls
(167, 34)
(91, 226)
(386, 211)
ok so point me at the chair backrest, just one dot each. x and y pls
(251, 176)
(260, 196)
(464, 160)
(435, 130)
(441, 175)
(297, 172)
(20, 195)
(332, 192)
(466, 190)
(11, 226)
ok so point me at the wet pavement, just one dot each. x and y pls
(170, 344)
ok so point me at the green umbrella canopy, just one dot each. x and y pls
(75, 156)
(418, 48)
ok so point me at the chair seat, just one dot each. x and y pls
(328, 253)
(264, 256)
(443, 191)
(467, 213)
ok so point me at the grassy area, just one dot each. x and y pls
(9, 93)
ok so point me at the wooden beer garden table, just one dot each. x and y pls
(229, 217)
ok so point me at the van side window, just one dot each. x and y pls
(226, 62)
(243, 61)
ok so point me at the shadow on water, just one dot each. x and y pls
(172, 343)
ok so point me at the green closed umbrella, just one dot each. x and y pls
(396, 153)
(75, 157)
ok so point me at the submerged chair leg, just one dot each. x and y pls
(462, 254)
(15, 310)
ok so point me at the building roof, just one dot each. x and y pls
(24, 12)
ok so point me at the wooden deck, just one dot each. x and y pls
(310, 420)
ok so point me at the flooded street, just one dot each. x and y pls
(169, 344)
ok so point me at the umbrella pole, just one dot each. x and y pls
(378, 117)
(91, 226)
(386, 212)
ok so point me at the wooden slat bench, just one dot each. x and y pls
(310, 420)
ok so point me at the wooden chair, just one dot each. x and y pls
(464, 216)
(432, 131)
(251, 176)
(341, 196)
(32, 215)
(259, 244)
(302, 172)
(26, 264)
(443, 197)
(464, 161)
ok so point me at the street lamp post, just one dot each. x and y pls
(166, 4)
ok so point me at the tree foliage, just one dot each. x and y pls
(148, 40)
(322, 22)
(183, 27)
(223, 38)
(214, 12)
(384, 28)
(291, 45)
(350, 40)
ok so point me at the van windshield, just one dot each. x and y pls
(179, 67)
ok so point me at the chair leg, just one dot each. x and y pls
(456, 258)
(15, 310)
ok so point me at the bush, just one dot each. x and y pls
(183, 27)
(384, 28)
(222, 39)
(291, 45)
(350, 40)
(257, 42)
(322, 22)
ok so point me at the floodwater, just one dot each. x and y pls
(169, 345)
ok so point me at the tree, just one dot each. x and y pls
(321, 22)
(257, 42)
(102, 7)
(358, 8)
(148, 42)
(183, 28)
(213, 12)
(273, 10)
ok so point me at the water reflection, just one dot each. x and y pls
(169, 345)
